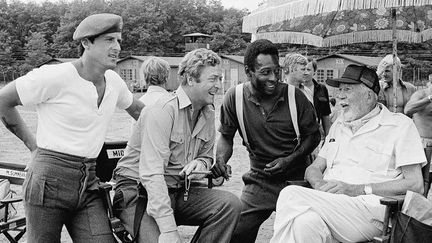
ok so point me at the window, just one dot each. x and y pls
(330, 73)
(320, 75)
(126, 74)
(324, 74)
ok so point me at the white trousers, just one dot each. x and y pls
(307, 215)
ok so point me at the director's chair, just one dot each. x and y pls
(105, 164)
(12, 228)
(393, 204)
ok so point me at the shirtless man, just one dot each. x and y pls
(419, 107)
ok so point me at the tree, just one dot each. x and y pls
(37, 49)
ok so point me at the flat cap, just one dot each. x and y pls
(98, 24)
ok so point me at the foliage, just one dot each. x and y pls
(30, 33)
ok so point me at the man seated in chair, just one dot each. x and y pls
(171, 139)
(369, 153)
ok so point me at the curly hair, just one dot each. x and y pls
(194, 61)
(261, 46)
(155, 70)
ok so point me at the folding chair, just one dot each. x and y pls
(105, 164)
(16, 225)
(393, 204)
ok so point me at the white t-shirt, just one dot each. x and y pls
(69, 120)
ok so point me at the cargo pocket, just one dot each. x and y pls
(40, 190)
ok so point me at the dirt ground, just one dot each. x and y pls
(13, 150)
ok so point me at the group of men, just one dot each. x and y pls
(369, 151)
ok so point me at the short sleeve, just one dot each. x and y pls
(228, 117)
(125, 97)
(408, 148)
(38, 86)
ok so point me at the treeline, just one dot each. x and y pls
(31, 33)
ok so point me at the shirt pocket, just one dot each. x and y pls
(330, 153)
(376, 157)
(177, 148)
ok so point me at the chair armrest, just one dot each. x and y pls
(105, 187)
(11, 200)
(393, 201)
(393, 204)
(303, 183)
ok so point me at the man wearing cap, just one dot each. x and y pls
(404, 90)
(74, 102)
(369, 153)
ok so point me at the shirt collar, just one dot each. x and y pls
(155, 88)
(184, 102)
(256, 98)
(183, 98)
(385, 117)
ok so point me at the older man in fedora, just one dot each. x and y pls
(75, 102)
(368, 153)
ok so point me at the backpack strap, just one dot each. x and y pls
(239, 111)
(293, 112)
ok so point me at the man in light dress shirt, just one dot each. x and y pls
(368, 153)
(156, 72)
(171, 139)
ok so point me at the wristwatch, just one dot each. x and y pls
(367, 189)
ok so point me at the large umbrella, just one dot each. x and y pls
(329, 23)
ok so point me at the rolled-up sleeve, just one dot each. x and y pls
(156, 123)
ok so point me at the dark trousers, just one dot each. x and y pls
(258, 199)
(61, 189)
(216, 212)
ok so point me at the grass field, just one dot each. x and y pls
(13, 150)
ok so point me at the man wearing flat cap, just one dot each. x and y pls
(369, 153)
(75, 102)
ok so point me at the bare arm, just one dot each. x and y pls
(326, 124)
(314, 172)
(135, 108)
(10, 117)
(418, 101)
(412, 180)
(224, 150)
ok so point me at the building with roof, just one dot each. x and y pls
(197, 40)
(57, 61)
(233, 70)
(333, 66)
(129, 69)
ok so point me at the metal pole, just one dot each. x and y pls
(395, 71)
